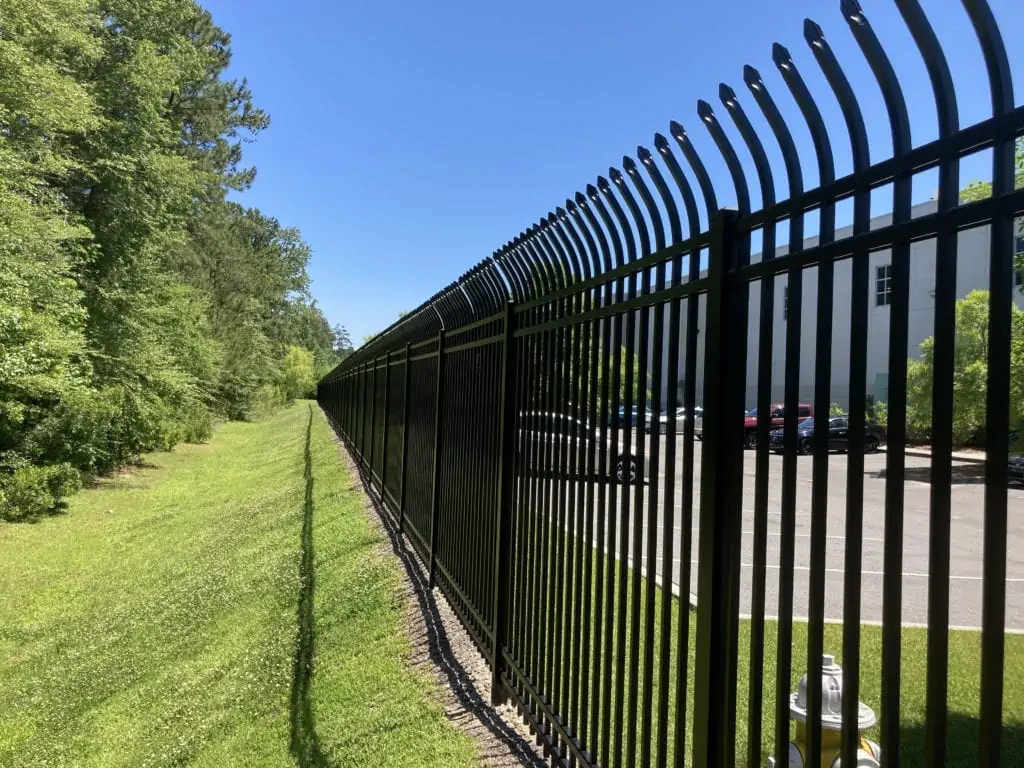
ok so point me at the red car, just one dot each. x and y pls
(778, 413)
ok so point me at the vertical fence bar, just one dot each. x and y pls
(405, 438)
(686, 481)
(516, 623)
(763, 403)
(612, 607)
(362, 416)
(936, 714)
(366, 426)
(721, 501)
(384, 438)
(435, 495)
(358, 412)
(506, 477)
(997, 394)
(574, 536)
(740, 258)
(373, 417)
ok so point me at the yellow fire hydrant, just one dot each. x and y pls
(869, 754)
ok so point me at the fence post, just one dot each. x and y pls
(350, 406)
(503, 540)
(348, 396)
(384, 437)
(435, 503)
(362, 416)
(405, 437)
(373, 417)
(720, 501)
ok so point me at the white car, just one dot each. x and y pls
(663, 418)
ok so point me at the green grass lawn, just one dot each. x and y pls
(172, 616)
(962, 703)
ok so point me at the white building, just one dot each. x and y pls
(972, 274)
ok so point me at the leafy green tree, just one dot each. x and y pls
(253, 270)
(342, 343)
(641, 393)
(979, 190)
(297, 378)
(136, 302)
(970, 369)
(43, 345)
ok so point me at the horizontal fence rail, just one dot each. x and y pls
(649, 588)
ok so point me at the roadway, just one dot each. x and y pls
(967, 535)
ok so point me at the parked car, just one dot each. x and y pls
(838, 436)
(663, 419)
(1015, 461)
(635, 416)
(1015, 467)
(558, 430)
(778, 414)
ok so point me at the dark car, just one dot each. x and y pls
(547, 437)
(1015, 461)
(838, 436)
(1015, 468)
(777, 414)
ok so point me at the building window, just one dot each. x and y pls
(883, 286)
(785, 303)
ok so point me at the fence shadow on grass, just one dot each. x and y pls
(305, 744)
(517, 749)
(961, 742)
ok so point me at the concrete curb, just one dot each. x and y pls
(925, 453)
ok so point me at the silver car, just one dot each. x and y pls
(663, 419)
(544, 434)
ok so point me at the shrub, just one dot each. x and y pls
(266, 399)
(28, 491)
(879, 412)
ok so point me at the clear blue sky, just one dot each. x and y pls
(410, 139)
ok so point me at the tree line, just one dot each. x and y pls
(138, 303)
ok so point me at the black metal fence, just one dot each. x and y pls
(496, 422)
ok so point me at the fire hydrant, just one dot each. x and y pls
(869, 754)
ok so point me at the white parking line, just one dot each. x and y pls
(876, 623)
(799, 536)
(906, 574)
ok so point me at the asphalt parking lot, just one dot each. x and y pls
(966, 550)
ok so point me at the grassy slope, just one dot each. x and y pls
(158, 621)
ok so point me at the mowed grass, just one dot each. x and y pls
(963, 700)
(224, 605)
